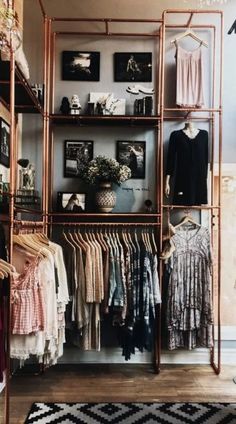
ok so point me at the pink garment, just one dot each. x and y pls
(189, 80)
(27, 311)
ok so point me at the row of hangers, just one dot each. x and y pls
(37, 244)
(6, 269)
(100, 235)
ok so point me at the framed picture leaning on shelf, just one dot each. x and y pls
(132, 154)
(80, 66)
(77, 153)
(71, 202)
(133, 67)
(4, 143)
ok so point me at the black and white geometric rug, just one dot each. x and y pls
(132, 413)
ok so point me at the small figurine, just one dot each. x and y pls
(75, 105)
(65, 106)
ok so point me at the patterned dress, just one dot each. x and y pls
(189, 299)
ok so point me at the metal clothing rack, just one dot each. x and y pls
(163, 114)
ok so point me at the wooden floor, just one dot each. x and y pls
(120, 383)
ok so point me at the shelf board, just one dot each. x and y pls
(25, 99)
(105, 120)
(95, 214)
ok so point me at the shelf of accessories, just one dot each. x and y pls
(105, 120)
(25, 99)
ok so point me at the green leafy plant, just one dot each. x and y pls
(103, 169)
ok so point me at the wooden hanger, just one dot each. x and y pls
(189, 32)
(187, 219)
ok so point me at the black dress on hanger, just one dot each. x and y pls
(187, 162)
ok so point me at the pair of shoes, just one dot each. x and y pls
(137, 88)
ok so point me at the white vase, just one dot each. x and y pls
(105, 197)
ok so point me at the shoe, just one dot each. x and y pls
(140, 88)
(132, 90)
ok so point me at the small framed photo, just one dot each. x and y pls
(80, 66)
(4, 143)
(132, 154)
(72, 202)
(133, 67)
(77, 153)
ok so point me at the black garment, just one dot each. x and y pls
(187, 161)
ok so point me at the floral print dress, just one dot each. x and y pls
(189, 299)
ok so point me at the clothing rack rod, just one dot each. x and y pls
(29, 211)
(173, 26)
(146, 215)
(190, 207)
(33, 224)
(110, 20)
(191, 109)
(110, 34)
(192, 118)
(97, 224)
(197, 11)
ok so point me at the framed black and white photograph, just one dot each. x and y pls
(136, 67)
(80, 66)
(77, 153)
(71, 202)
(132, 154)
(4, 143)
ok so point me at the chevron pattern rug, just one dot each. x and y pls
(132, 413)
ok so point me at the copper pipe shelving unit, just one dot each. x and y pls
(154, 122)
(214, 111)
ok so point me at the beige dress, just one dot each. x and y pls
(189, 78)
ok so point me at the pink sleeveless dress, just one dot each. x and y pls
(27, 305)
(189, 78)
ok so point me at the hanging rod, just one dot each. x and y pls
(34, 224)
(121, 224)
(192, 118)
(190, 207)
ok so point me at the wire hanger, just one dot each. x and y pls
(189, 32)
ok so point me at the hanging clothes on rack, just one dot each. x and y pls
(187, 163)
(111, 273)
(189, 314)
(4, 285)
(39, 295)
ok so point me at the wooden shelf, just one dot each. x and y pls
(105, 120)
(25, 99)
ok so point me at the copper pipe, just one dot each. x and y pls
(110, 34)
(147, 21)
(173, 26)
(197, 11)
(182, 109)
(52, 108)
(29, 211)
(193, 118)
(190, 207)
(146, 215)
(44, 161)
(126, 224)
(23, 223)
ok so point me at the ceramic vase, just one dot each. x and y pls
(105, 197)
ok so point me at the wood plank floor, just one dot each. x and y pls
(120, 383)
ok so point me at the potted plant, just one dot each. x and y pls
(103, 171)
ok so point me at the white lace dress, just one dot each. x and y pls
(189, 299)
